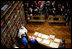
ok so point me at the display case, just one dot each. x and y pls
(12, 17)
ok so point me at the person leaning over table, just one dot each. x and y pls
(23, 36)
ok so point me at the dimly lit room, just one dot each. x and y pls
(36, 24)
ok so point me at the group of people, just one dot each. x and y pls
(33, 8)
(50, 7)
(47, 8)
(56, 8)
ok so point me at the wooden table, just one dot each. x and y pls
(47, 39)
(61, 19)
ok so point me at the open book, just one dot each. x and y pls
(39, 39)
(36, 33)
(54, 45)
(46, 41)
(44, 36)
(52, 36)
(57, 40)
(39, 35)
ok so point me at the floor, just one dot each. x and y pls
(61, 32)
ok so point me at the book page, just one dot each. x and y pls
(57, 40)
(46, 42)
(39, 35)
(52, 36)
(54, 45)
(39, 39)
(45, 36)
(36, 33)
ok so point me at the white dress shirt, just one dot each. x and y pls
(22, 30)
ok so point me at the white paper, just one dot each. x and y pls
(39, 35)
(46, 42)
(36, 33)
(54, 45)
(52, 36)
(57, 40)
(33, 37)
(45, 36)
(39, 39)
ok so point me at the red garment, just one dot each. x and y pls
(34, 1)
(1, 21)
(16, 7)
(39, 3)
